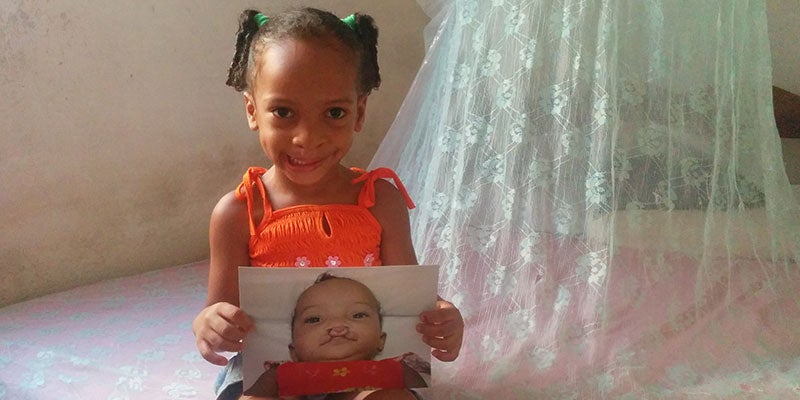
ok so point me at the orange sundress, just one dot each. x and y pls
(329, 235)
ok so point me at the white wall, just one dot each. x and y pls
(118, 134)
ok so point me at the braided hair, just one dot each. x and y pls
(303, 23)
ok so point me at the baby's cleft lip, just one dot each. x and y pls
(338, 339)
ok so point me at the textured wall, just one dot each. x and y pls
(118, 135)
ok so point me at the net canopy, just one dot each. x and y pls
(602, 184)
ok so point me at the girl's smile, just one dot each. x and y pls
(306, 109)
(302, 165)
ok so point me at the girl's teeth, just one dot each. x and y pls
(297, 162)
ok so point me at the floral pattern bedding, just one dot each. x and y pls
(131, 338)
(121, 339)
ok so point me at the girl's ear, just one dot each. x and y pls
(250, 108)
(361, 110)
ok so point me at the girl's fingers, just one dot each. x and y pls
(235, 316)
(220, 328)
(449, 328)
(222, 336)
(444, 355)
(217, 332)
(442, 329)
(443, 313)
(451, 344)
(209, 355)
(228, 345)
(227, 331)
(442, 343)
(444, 348)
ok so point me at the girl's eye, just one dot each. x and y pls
(311, 320)
(282, 112)
(360, 315)
(336, 113)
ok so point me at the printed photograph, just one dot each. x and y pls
(331, 330)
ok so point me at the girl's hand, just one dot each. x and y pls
(442, 328)
(220, 327)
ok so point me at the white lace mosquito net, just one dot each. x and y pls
(602, 184)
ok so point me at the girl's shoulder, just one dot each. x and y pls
(379, 192)
(388, 195)
(230, 210)
(390, 204)
(228, 233)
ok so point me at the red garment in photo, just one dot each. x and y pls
(305, 378)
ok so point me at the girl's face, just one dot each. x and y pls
(336, 320)
(305, 107)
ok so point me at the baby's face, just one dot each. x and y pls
(337, 320)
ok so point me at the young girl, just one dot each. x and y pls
(306, 76)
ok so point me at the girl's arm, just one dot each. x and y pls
(391, 211)
(222, 325)
(443, 327)
(229, 237)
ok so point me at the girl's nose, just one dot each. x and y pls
(338, 330)
(307, 137)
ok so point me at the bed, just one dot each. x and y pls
(127, 338)
(130, 338)
(667, 330)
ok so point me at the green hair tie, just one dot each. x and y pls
(260, 19)
(350, 21)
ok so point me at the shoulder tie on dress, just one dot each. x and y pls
(367, 196)
(245, 192)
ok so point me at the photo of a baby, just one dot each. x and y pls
(338, 331)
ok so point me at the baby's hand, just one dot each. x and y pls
(442, 328)
(220, 327)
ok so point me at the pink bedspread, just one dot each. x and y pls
(127, 338)
(131, 338)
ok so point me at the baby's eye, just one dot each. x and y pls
(311, 320)
(336, 113)
(360, 315)
(282, 112)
